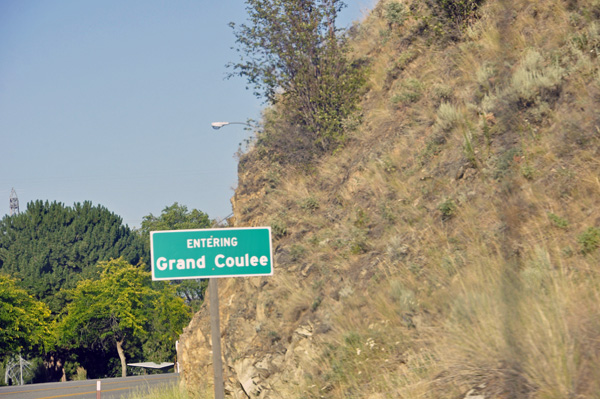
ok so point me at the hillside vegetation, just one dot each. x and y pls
(76, 296)
(450, 247)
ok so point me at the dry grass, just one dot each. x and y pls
(445, 239)
(171, 392)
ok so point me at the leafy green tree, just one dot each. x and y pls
(50, 247)
(292, 52)
(169, 316)
(111, 310)
(178, 217)
(174, 217)
(24, 322)
(123, 310)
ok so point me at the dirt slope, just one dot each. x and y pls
(450, 248)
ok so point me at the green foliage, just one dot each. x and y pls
(528, 171)
(292, 52)
(316, 303)
(278, 228)
(24, 322)
(361, 219)
(447, 208)
(174, 217)
(558, 221)
(310, 204)
(448, 18)
(411, 92)
(589, 240)
(123, 310)
(358, 242)
(50, 247)
(110, 308)
(395, 13)
(169, 316)
(178, 217)
(458, 11)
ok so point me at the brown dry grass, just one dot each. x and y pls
(445, 239)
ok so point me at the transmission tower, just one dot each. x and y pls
(14, 203)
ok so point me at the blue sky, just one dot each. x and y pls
(111, 101)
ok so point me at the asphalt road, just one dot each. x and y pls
(111, 388)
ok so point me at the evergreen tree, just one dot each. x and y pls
(50, 247)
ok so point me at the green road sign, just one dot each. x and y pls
(208, 253)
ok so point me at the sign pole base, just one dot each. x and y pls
(215, 328)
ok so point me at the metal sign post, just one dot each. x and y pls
(215, 330)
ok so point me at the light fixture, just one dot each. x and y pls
(218, 125)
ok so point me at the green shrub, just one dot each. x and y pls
(358, 242)
(528, 171)
(309, 204)
(459, 11)
(447, 208)
(308, 61)
(395, 13)
(278, 228)
(412, 91)
(557, 221)
(589, 240)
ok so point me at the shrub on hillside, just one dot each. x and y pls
(589, 240)
(458, 11)
(449, 17)
(293, 54)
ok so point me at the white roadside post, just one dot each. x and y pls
(212, 253)
(98, 386)
(177, 356)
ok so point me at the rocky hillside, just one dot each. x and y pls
(450, 249)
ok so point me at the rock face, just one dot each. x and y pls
(261, 357)
(449, 249)
(270, 326)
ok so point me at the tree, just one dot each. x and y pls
(125, 310)
(111, 310)
(178, 217)
(291, 51)
(169, 316)
(24, 322)
(50, 247)
(174, 217)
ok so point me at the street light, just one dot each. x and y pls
(218, 125)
